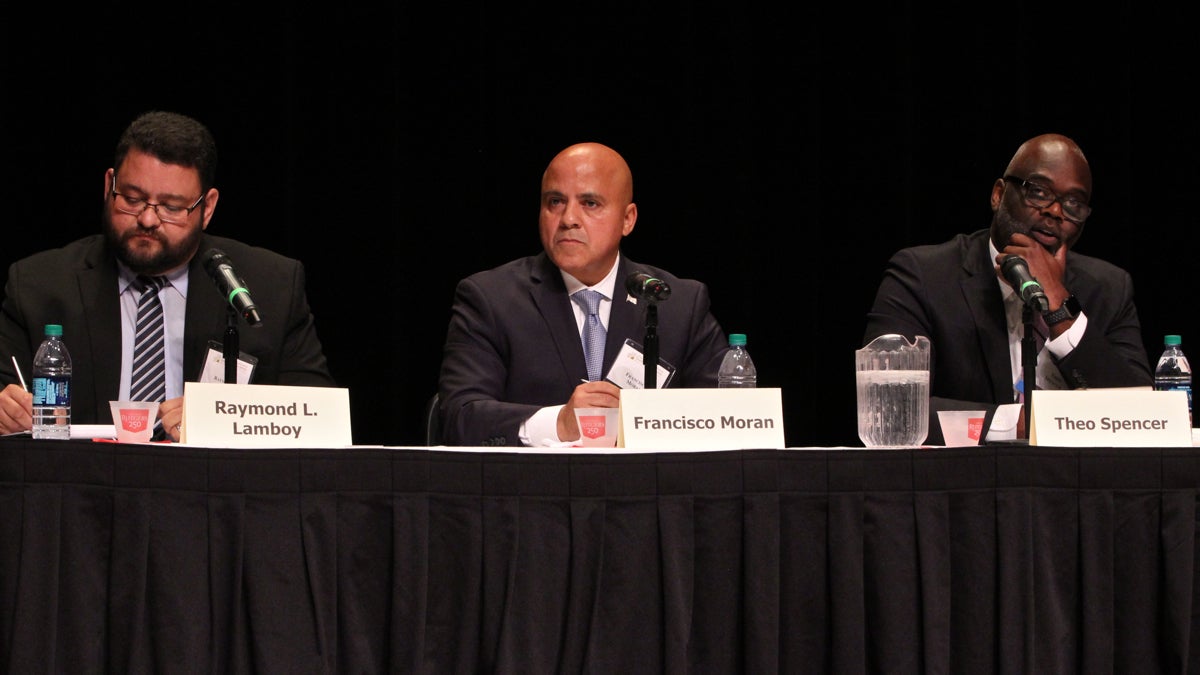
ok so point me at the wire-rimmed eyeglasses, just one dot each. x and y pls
(167, 213)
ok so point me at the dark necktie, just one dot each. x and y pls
(593, 331)
(149, 375)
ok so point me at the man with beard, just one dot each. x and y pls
(955, 294)
(158, 200)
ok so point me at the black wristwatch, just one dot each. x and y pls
(1069, 310)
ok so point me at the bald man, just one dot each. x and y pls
(954, 294)
(513, 368)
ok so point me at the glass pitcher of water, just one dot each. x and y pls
(893, 391)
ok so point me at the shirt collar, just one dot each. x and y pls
(176, 279)
(1005, 289)
(605, 287)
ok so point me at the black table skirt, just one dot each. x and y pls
(1010, 559)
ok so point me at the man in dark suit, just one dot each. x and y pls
(954, 294)
(158, 200)
(513, 369)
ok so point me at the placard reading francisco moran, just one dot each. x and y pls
(684, 422)
(701, 419)
(269, 416)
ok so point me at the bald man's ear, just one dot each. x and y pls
(630, 219)
(997, 193)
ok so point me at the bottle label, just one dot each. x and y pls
(52, 391)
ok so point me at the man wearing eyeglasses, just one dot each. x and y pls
(955, 294)
(159, 199)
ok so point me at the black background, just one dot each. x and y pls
(780, 154)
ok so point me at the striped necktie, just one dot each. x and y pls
(149, 375)
(593, 331)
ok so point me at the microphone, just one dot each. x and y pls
(220, 268)
(1016, 271)
(642, 285)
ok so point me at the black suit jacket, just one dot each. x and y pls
(76, 286)
(949, 293)
(513, 345)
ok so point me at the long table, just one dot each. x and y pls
(996, 559)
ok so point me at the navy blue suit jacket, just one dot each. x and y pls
(513, 346)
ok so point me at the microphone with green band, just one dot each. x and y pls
(1016, 271)
(220, 268)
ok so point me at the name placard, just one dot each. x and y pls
(218, 415)
(701, 419)
(1110, 418)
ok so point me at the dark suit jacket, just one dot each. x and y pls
(76, 286)
(948, 292)
(513, 345)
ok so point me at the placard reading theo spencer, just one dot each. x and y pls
(1117, 417)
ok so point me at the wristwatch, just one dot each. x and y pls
(1069, 310)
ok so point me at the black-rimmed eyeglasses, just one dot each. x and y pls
(1074, 209)
(167, 213)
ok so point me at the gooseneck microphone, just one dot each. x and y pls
(220, 268)
(1016, 271)
(642, 285)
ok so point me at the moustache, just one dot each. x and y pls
(142, 233)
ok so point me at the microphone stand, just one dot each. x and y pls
(230, 349)
(650, 345)
(1028, 362)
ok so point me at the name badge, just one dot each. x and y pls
(1118, 417)
(701, 419)
(628, 371)
(265, 416)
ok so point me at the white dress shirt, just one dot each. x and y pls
(542, 428)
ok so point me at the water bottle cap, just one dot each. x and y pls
(53, 330)
(1171, 341)
(737, 340)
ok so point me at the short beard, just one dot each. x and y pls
(167, 258)
(1004, 226)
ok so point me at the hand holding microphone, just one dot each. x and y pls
(1016, 271)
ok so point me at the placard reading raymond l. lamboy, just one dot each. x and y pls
(701, 419)
(218, 415)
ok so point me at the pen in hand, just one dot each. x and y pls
(19, 375)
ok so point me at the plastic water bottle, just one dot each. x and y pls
(52, 386)
(737, 369)
(1173, 371)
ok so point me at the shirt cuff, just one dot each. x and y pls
(1063, 344)
(542, 426)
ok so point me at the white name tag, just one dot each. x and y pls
(701, 419)
(265, 416)
(628, 371)
(1110, 418)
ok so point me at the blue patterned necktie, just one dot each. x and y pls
(148, 380)
(593, 331)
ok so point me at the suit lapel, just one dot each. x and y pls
(549, 295)
(97, 282)
(625, 319)
(204, 315)
(986, 305)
